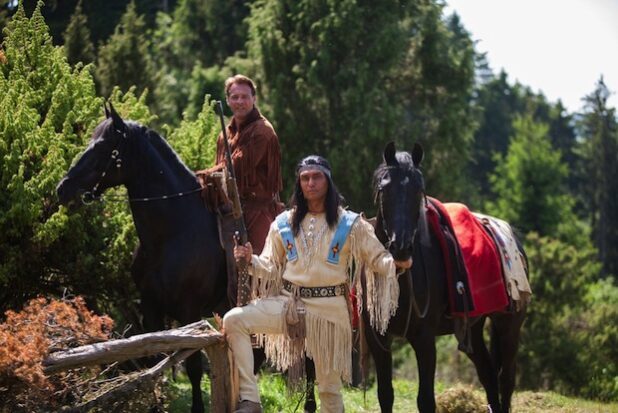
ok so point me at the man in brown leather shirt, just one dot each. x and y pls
(256, 158)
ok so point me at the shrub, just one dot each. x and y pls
(461, 399)
(28, 336)
(570, 338)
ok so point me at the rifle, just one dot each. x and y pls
(243, 295)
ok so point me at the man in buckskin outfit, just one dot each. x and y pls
(304, 272)
(256, 159)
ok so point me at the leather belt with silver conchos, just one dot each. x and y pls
(315, 292)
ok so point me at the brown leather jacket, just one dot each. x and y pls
(256, 157)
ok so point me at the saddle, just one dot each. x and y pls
(459, 293)
(514, 262)
(482, 258)
(481, 272)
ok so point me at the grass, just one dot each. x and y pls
(275, 398)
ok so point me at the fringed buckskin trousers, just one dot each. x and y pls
(266, 316)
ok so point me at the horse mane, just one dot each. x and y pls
(149, 138)
(163, 148)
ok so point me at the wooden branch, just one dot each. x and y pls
(185, 341)
(133, 384)
(192, 336)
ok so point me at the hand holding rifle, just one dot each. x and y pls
(244, 294)
(243, 252)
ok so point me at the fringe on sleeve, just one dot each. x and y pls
(273, 159)
(269, 282)
(381, 283)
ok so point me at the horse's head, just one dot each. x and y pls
(399, 191)
(100, 166)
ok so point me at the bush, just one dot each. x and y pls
(48, 111)
(460, 399)
(570, 338)
(27, 337)
(597, 336)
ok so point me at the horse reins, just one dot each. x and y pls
(89, 196)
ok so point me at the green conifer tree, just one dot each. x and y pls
(124, 61)
(434, 85)
(499, 103)
(208, 31)
(77, 44)
(599, 183)
(47, 114)
(191, 46)
(528, 182)
(46, 111)
(195, 140)
(323, 70)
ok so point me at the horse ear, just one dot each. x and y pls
(117, 121)
(389, 154)
(107, 114)
(417, 154)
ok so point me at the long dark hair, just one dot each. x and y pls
(299, 203)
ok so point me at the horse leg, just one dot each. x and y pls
(153, 319)
(193, 364)
(310, 404)
(379, 347)
(424, 343)
(505, 332)
(485, 368)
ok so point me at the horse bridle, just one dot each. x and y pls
(89, 197)
(413, 304)
(379, 200)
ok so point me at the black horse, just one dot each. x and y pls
(400, 195)
(179, 266)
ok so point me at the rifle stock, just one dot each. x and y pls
(244, 287)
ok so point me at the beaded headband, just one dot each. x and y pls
(314, 167)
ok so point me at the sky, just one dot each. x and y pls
(557, 47)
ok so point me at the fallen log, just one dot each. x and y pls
(135, 383)
(183, 341)
(196, 335)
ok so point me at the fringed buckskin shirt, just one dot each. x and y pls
(255, 155)
(328, 326)
(256, 158)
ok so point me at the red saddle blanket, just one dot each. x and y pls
(481, 259)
